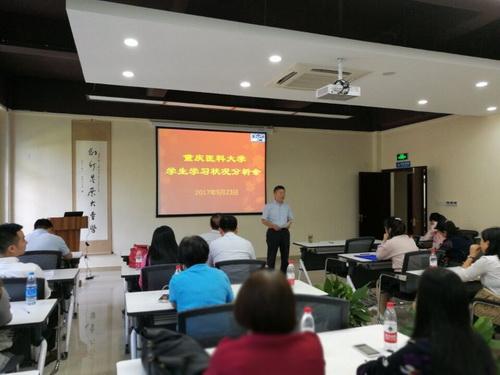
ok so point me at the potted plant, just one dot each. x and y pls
(358, 312)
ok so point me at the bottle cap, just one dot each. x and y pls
(291, 262)
(391, 304)
(308, 309)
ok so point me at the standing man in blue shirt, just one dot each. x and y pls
(277, 217)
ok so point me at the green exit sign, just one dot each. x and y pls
(400, 157)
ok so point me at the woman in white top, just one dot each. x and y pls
(484, 262)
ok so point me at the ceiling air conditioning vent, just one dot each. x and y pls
(311, 77)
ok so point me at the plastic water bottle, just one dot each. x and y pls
(138, 259)
(31, 289)
(390, 327)
(290, 273)
(307, 321)
(178, 269)
(433, 259)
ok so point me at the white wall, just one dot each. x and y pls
(463, 156)
(319, 169)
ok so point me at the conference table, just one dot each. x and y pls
(139, 305)
(341, 358)
(313, 255)
(31, 316)
(66, 276)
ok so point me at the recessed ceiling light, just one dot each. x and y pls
(491, 109)
(423, 101)
(481, 84)
(128, 74)
(245, 84)
(131, 42)
(275, 58)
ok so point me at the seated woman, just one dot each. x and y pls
(443, 341)
(432, 234)
(163, 249)
(483, 262)
(266, 307)
(199, 285)
(396, 243)
(455, 246)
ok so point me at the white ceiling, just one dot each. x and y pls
(184, 52)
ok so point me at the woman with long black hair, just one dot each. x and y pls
(443, 341)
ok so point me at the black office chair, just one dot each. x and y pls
(209, 325)
(16, 287)
(239, 270)
(157, 277)
(427, 244)
(471, 234)
(45, 259)
(413, 261)
(354, 245)
(329, 313)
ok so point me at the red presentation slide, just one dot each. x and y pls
(207, 171)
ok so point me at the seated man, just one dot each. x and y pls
(12, 245)
(230, 246)
(43, 238)
(214, 233)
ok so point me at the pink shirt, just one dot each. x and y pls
(434, 235)
(395, 249)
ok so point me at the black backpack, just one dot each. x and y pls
(166, 352)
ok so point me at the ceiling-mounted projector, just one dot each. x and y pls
(340, 89)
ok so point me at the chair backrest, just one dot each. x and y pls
(472, 234)
(45, 259)
(329, 313)
(16, 287)
(416, 260)
(157, 277)
(359, 245)
(239, 270)
(424, 244)
(209, 325)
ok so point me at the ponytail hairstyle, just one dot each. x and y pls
(394, 226)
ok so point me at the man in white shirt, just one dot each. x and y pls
(12, 245)
(43, 238)
(230, 246)
(214, 233)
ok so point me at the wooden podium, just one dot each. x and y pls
(69, 229)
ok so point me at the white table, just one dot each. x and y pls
(62, 275)
(139, 304)
(340, 356)
(143, 303)
(31, 315)
(127, 271)
(456, 269)
(371, 264)
(316, 254)
(66, 276)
